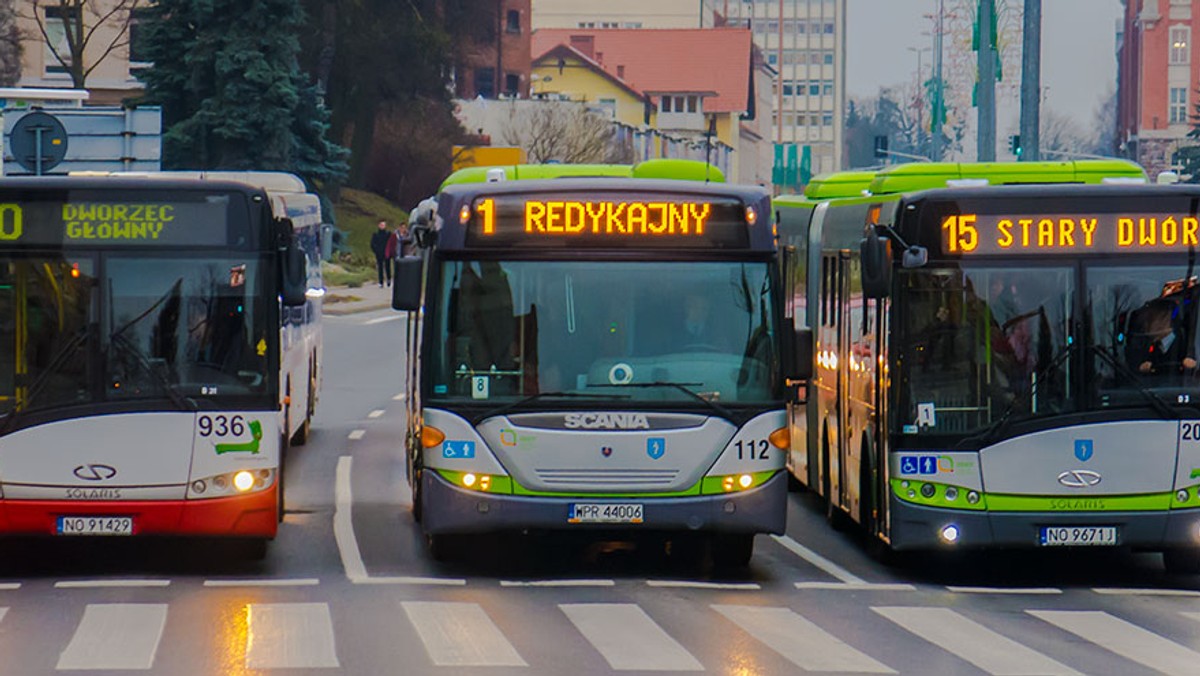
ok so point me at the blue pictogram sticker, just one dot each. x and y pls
(656, 447)
(1084, 449)
(918, 464)
(458, 449)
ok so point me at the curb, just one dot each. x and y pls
(353, 308)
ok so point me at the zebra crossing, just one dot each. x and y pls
(629, 637)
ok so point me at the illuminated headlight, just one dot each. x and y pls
(231, 483)
(949, 534)
(736, 482)
(477, 482)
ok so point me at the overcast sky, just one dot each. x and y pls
(1079, 61)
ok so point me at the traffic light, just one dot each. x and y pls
(881, 146)
(1014, 144)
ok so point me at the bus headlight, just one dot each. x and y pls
(243, 481)
(231, 483)
(949, 534)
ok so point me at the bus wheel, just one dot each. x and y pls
(416, 497)
(1182, 561)
(834, 514)
(732, 550)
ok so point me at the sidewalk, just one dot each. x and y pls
(343, 300)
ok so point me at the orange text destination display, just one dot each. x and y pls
(969, 234)
(601, 221)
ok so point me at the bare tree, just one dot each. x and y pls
(1104, 124)
(563, 132)
(68, 28)
(1062, 136)
(10, 44)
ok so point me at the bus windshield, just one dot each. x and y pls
(1144, 329)
(511, 329)
(982, 343)
(149, 328)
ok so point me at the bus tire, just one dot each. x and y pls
(732, 550)
(417, 512)
(1184, 561)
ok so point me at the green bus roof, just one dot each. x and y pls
(839, 184)
(682, 170)
(926, 175)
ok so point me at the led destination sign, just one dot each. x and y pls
(970, 234)
(103, 223)
(609, 221)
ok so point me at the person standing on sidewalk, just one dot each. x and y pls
(379, 246)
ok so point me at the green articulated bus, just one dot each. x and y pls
(1003, 355)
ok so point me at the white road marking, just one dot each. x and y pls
(557, 583)
(3, 612)
(357, 434)
(377, 413)
(381, 320)
(93, 584)
(1120, 591)
(460, 635)
(415, 581)
(1003, 590)
(343, 526)
(818, 560)
(688, 584)
(973, 642)
(400, 397)
(290, 636)
(800, 641)
(115, 636)
(627, 637)
(857, 586)
(9, 586)
(1124, 638)
(296, 582)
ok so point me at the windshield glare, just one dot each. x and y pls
(507, 330)
(192, 325)
(982, 343)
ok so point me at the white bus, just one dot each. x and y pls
(160, 347)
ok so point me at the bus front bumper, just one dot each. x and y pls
(449, 509)
(243, 516)
(921, 527)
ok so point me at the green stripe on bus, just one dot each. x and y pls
(909, 490)
(709, 485)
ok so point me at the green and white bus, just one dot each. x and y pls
(1002, 365)
(596, 353)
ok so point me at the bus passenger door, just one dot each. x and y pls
(795, 307)
(829, 388)
(844, 325)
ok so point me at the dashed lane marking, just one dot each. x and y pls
(96, 584)
(689, 584)
(818, 560)
(400, 397)
(357, 434)
(297, 582)
(1004, 590)
(557, 583)
(381, 320)
(377, 413)
(1121, 591)
(857, 586)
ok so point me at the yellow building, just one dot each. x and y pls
(112, 80)
(697, 88)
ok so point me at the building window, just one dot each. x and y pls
(665, 105)
(512, 84)
(829, 28)
(485, 83)
(693, 104)
(814, 88)
(787, 88)
(827, 120)
(828, 58)
(801, 27)
(772, 59)
(138, 60)
(56, 34)
(1177, 112)
(587, 24)
(1180, 38)
(513, 22)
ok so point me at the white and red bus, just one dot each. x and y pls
(159, 348)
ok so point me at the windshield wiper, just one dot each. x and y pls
(183, 403)
(505, 408)
(56, 362)
(1156, 402)
(682, 387)
(990, 433)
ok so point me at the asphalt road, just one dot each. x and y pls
(349, 588)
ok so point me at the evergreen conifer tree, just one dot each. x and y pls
(233, 97)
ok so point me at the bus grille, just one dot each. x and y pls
(635, 478)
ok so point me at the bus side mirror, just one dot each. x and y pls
(406, 283)
(802, 353)
(876, 254)
(294, 270)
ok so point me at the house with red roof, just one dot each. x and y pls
(699, 88)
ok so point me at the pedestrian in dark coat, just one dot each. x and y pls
(379, 246)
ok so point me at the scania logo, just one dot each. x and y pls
(95, 472)
(609, 421)
(1079, 478)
